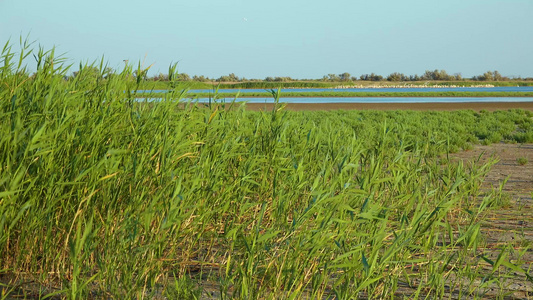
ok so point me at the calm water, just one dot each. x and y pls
(375, 100)
(387, 90)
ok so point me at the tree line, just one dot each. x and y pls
(435, 75)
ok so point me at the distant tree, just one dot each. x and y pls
(183, 77)
(283, 79)
(233, 77)
(371, 77)
(436, 75)
(376, 77)
(397, 77)
(160, 77)
(490, 76)
(229, 78)
(200, 78)
(497, 76)
(333, 77)
(428, 75)
(269, 79)
(344, 76)
(445, 76)
(414, 78)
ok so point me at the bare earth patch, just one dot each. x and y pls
(520, 183)
(510, 224)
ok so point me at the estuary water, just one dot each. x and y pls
(243, 97)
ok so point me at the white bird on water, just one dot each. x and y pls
(245, 19)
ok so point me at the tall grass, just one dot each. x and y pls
(105, 196)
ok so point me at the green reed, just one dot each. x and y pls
(106, 196)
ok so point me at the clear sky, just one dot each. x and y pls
(297, 38)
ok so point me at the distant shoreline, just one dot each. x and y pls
(410, 86)
(477, 106)
(290, 94)
(211, 85)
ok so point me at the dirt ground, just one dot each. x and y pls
(516, 213)
(520, 182)
(510, 224)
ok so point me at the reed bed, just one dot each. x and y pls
(103, 196)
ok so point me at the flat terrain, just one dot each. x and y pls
(516, 215)
(511, 224)
(520, 182)
(398, 106)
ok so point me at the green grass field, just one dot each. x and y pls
(102, 196)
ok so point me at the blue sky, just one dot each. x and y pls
(301, 39)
